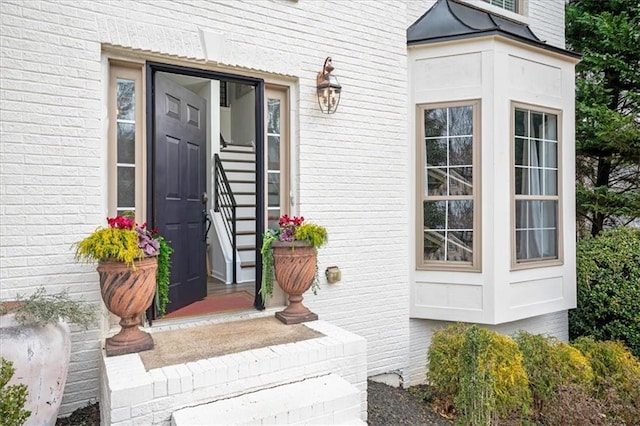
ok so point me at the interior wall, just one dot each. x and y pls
(243, 100)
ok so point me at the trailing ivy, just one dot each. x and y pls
(163, 275)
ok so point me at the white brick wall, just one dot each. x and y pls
(555, 324)
(352, 166)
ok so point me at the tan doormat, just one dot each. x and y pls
(207, 341)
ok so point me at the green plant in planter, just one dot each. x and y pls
(125, 241)
(41, 309)
(289, 229)
(12, 398)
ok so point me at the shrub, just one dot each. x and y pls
(480, 371)
(608, 284)
(551, 365)
(12, 398)
(572, 405)
(617, 377)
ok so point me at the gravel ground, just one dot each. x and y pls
(387, 406)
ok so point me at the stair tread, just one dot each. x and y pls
(322, 396)
(247, 264)
(248, 247)
(242, 181)
(244, 218)
(237, 160)
(245, 232)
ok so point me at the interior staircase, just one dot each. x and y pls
(239, 163)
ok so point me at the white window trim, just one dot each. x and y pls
(476, 263)
(536, 263)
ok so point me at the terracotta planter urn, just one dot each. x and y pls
(294, 265)
(127, 293)
(40, 356)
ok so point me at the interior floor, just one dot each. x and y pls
(215, 286)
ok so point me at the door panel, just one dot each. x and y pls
(179, 173)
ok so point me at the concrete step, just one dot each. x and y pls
(324, 400)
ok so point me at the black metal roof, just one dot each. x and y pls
(449, 20)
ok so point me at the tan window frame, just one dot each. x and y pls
(538, 262)
(476, 263)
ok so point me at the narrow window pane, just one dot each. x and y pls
(461, 151)
(273, 116)
(521, 123)
(436, 181)
(536, 158)
(460, 214)
(126, 187)
(549, 213)
(274, 217)
(550, 243)
(125, 98)
(435, 214)
(460, 121)
(551, 127)
(550, 182)
(435, 122)
(460, 181)
(436, 150)
(126, 143)
(551, 154)
(522, 152)
(535, 181)
(536, 125)
(273, 152)
(434, 245)
(522, 181)
(274, 189)
(460, 246)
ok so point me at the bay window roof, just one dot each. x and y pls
(450, 20)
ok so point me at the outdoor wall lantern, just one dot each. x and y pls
(328, 89)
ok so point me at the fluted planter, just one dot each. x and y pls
(294, 265)
(40, 356)
(127, 293)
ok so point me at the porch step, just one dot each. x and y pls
(321, 400)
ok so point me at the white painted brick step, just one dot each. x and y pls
(320, 400)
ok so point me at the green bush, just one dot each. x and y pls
(608, 285)
(552, 365)
(12, 398)
(480, 372)
(617, 377)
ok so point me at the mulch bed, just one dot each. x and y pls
(386, 406)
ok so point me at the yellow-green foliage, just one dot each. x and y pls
(615, 368)
(315, 235)
(443, 364)
(12, 398)
(110, 243)
(551, 364)
(480, 370)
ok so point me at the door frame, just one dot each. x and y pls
(151, 68)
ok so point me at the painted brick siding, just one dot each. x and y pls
(555, 324)
(352, 167)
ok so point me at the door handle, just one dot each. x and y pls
(206, 222)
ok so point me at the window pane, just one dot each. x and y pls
(549, 214)
(436, 181)
(436, 152)
(460, 121)
(461, 151)
(125, 98)
(522, 152)
(435, 122)
(550, 182)
(126, 187)
(435, 214)
(536, 125)
(550, 154)
(460, 181)
(535, 181)
(434, 243)
(522, 181)
(521, 123)
(551, 127)
(274, 189)
(273, 152)
(274, 217)
(549, 243)
(273, 116)
(460, 246)
(126, 143)
(535, 153)
(460, 214)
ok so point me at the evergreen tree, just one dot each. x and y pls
(607, 33)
